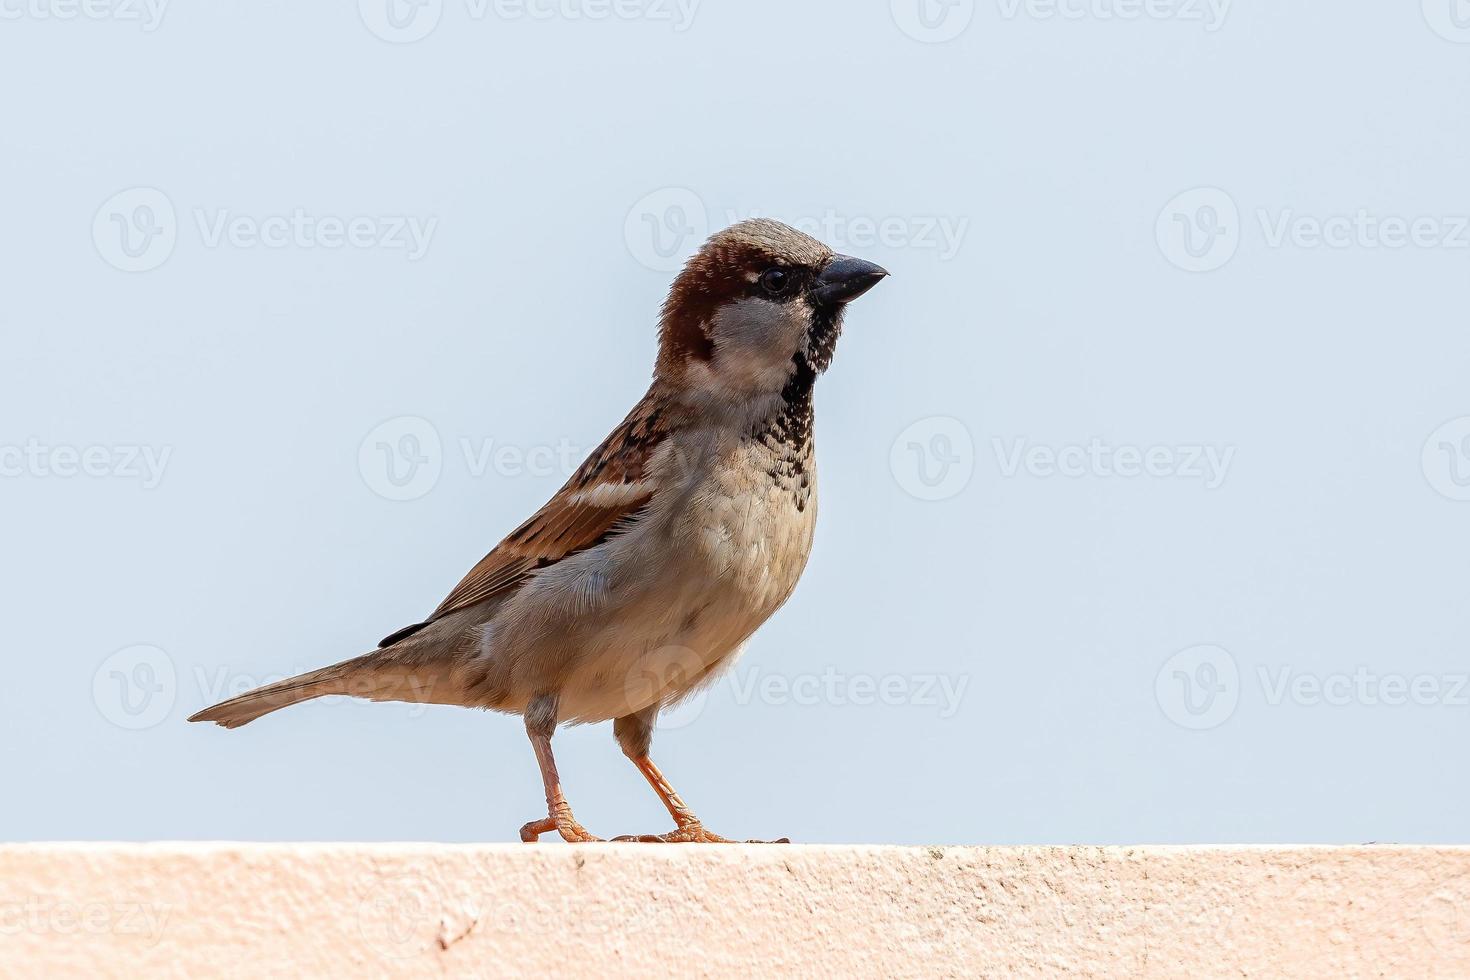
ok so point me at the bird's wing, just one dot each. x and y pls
(609, 489)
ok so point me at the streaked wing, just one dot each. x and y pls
(607, 490)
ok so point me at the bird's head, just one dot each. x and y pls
(758, 305)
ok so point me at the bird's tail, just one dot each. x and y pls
(373, 676)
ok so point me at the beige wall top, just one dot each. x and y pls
(417, 910)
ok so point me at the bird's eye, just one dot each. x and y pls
(775, 281)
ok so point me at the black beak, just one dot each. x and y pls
(845, 279)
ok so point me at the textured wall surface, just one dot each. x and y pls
(418, 910)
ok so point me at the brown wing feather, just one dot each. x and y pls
(579, 516)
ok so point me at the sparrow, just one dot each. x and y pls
(647, 573)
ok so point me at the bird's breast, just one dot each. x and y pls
(658, 610)
(753, 522)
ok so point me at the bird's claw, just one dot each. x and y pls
(570, 831)
(690, 833)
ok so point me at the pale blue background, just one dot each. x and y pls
(530, 320)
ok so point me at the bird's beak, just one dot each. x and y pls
(845, 279)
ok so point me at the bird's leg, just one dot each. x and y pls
(688, 828)
(635, 735)
(540, 724)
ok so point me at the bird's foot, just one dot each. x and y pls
(692, 832)
(570, 831)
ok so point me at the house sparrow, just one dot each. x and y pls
(649, 570)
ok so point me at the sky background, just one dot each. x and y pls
(1144, 478)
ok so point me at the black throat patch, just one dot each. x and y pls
(786, 435)
(822, 338)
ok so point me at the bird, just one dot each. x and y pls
(646, 574)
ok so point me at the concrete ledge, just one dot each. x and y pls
(416, 910)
